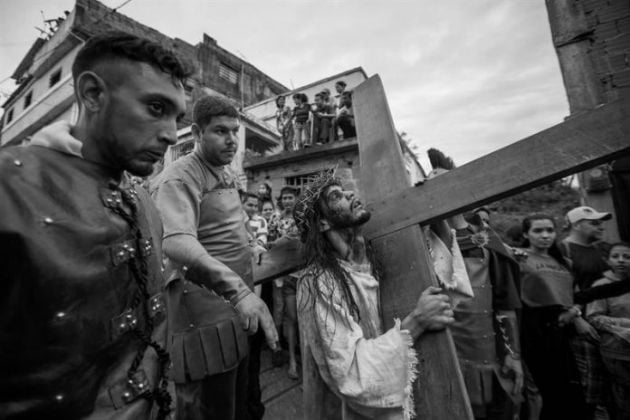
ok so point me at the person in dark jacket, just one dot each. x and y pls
(81, 317)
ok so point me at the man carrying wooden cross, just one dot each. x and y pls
(351, 368)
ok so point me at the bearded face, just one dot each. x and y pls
(343, 209)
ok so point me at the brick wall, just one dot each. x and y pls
(610, 49)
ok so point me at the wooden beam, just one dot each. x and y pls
(405, 263)
(579, 143)
(284, 258)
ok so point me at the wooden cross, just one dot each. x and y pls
(399, 209)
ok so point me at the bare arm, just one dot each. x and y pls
(202, 268)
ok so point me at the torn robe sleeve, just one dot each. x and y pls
(370, 375)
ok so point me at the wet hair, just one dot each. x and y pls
(209, 107)
(322, 259)
(341, 83)
(297, 96)
(111, 46)
(278, 99)
(304, 98)
(554, 250)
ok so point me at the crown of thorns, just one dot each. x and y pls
(304, 209)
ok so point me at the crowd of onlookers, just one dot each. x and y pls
(574, 315)
(270, 223)
(325, 120)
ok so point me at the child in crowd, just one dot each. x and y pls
(256, 225)
(611, 317)
(301, 122)
(269, 213)
(345, 116)
(264, 192)
(322, 120)
(340, 87)
(328, 100)
(283, 122)
(287, 230)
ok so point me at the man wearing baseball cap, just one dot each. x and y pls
(584, 244)
(585, 248)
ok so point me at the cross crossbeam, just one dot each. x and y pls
(581, 142)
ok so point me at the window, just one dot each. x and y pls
(28, 99)
(9, 116)
(300, 181)
(228, 73)
(54, 78)
(182, 149)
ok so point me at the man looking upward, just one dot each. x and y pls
(352, 369)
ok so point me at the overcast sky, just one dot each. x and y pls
(468, 77)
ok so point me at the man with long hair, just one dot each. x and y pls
(351, 367)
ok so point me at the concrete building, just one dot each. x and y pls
(297, 168)
(266, 110)
(45, 91)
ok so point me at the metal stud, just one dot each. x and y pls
(59, 397)
(17, 162)
(60, 314)
(48, 220)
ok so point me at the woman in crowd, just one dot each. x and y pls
(611, 317)
(269, 213)
(287, 231)
(264, 193)
(549, 318)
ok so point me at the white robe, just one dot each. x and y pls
(351, 369)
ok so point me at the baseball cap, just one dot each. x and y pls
(586, 213)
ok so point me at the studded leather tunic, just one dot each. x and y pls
(71, 313)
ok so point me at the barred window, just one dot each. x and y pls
(182, 149)
(228, 73)
(300, 181)
(28, 99)
(54, 78)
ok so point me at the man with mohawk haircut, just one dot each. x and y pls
(352, 369)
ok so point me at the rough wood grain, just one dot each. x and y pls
(284, 258)
(407, 270)
(579, 143)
